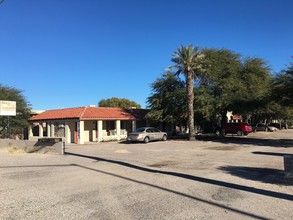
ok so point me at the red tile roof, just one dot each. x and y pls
(91, 113)
(237, 117)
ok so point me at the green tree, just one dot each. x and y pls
(234, 84)
(118, 103)
(282, 95)
(256, 81)
(283, 86)
(189, 62)
(205, 102)
(222, 81)
(166, 103)
(19, 122)
(221, 85)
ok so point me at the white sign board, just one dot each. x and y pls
(7, 108)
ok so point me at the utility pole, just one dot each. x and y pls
(8, 127)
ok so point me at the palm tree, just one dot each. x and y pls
(188, 61)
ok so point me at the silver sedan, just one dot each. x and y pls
(147, 134)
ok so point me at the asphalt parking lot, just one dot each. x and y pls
(231, 178)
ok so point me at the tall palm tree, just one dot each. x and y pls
(188, 61)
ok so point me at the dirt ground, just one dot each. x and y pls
(212, 178)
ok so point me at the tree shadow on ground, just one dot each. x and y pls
(203, 200)
(271, 153)
(286, 143)
(192, 178)
(265, 175)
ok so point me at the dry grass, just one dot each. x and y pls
(14, 149)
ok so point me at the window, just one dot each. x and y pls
(149, 130)
(140, 130)
(156, 130)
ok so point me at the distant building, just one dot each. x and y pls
(36, 112)
(86, 124)
(233, 118)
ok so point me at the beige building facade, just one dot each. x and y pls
(86, 124)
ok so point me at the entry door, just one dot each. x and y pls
(76, 132)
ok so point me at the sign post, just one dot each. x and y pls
(8, 108)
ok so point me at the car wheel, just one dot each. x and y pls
(164, 138)
(146, 140)
(240, 133)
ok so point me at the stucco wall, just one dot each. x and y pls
(6, 143)
(89, 126)
(26, 146)
(71, 135)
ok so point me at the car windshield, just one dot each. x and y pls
(140, 130)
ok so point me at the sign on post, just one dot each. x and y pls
(7, 108)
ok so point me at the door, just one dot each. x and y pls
(76, 132)
(150, 133)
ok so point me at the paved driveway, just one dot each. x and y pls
(231, 178)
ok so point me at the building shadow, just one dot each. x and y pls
(265, 175)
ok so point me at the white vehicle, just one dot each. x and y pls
(272, 128)
(147, 134)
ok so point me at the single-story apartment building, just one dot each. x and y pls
(86, 124)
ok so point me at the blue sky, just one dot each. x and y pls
(69, 53)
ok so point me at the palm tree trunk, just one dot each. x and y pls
(190, 100)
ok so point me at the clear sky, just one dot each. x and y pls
(69, 53)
